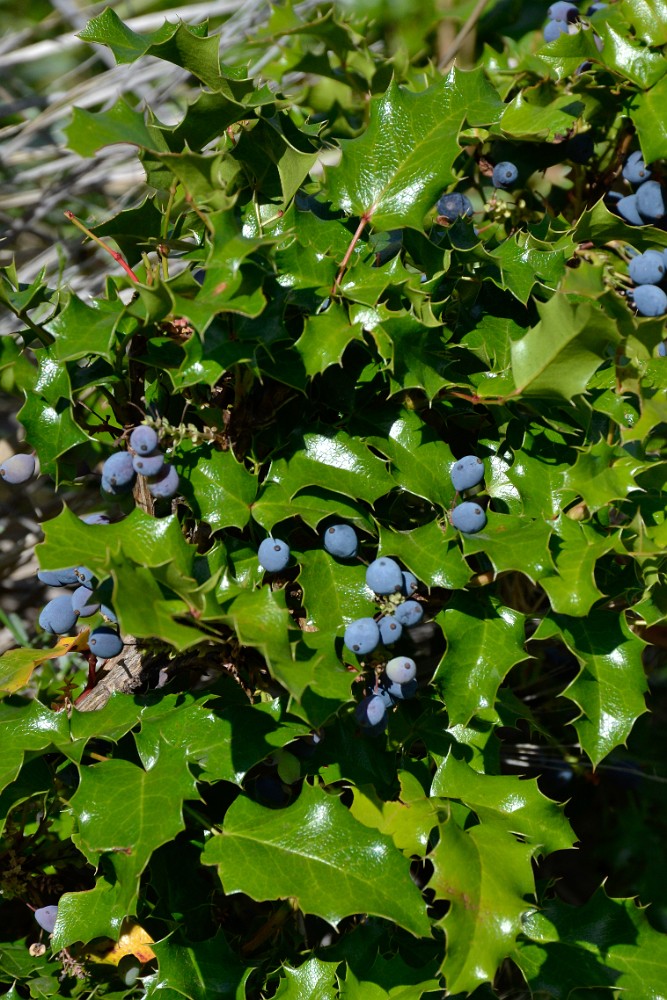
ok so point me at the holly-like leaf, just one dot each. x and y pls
(605, 942)
(201, 970)
(124, 813)
(558, 356)
(396, 170)
(316, 852)
(335, 593)
(484, 640)
(610, 687)
(481, 873)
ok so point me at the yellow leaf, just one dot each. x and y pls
(17, 665)
(133, 940)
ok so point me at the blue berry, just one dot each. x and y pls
(165, 485)
(84, 603)
(650, 300)
(362, 636)
(58, 616)
(391, 630)
(96, 519)
(59, 577)
(561, 11)
(455, 205)
(341, 541)
(635, 170)
(84, 576)
(148, 465)
(662, 349)
(143, 440)
(401, 691)
(273, 555)
(18, 469)
(628, 208)
(105, 642)
(409, 613)
(468, 517)
(401, 669)
(466, 473)
(384, 576)
(595, 7)
(553, 30)
(410, 585)
(504, 174)
(118, 471)
(650, 201)
(647, 268)
(371, 712)
(108, 613)
(46, 917)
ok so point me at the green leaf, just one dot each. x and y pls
(91, 130)
(80, 330)
(220, 489)
(559, 355)
(333, 461)
(576, 548)
(396, 170)
(324, 339)
(432, 555)
(420, 459)
(603, 943)
(26, 727)
(335, 593)
(610, 687)
(481, 873)
(408, 820)
(314, 979)
(647, 116)
(484, 640)
(92, 913)
(201, 970)
(315, 851)
(124, 813)
(602, 473)
(520, 808)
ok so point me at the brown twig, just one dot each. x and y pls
(450, 54)
(350, 250)
(117, 256)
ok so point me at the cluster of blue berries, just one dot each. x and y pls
(395, 591)
(466, 474)
(18, 469)
(647, 270)
(646, 204)
(144, 458)
(60, 615)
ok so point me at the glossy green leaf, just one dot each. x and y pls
(220, 489)
(305, 850)
(484, 640)
(200, 970)
(397, 169)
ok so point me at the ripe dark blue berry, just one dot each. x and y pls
(143, 440)
(650, 202)
(164, 486)
(18, 469)
(409, 613)
(148, 465)
(504, 174)
(58, 616)
(391, 630)
(454, 206)
(384, 576)
(362, 636)
(401, 669)
(105, 642)
(635, 170)
(561, 11)
(628, 208)
(553, 30)
(341, 541)
(466, 473)
(46, 917)
(273, 555)
(647, 268)
(468, 517)
(650, 300)
(371, 712)
(117, 471)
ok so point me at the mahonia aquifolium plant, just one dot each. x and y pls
(352, 581)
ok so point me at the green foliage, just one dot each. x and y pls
(316, 345)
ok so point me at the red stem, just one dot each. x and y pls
(117, 256)
(348, 253)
